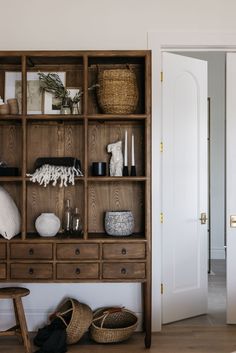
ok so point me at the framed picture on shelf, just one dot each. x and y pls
(13, 89)
(51, 104)
(72, 92)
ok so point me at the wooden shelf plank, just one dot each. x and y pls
(117, 117)
(112, 179)
(10, 178)
(55, 117)
(106, 237)
(10, 117)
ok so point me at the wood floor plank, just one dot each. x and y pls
(173, 339)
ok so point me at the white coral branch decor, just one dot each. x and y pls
(52, 173)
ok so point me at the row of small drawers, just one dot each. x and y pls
(70, 251)
(74, 271)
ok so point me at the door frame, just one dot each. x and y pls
(157, 43)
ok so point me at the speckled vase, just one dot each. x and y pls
(47, 224)
(119, 223)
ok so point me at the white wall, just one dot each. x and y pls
(216, 92)
(101, 24)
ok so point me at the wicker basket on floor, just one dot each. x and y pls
(117, 92)
(112, 325)
(77, 317)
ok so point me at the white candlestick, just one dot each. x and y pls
(126, 150)
(132, 160)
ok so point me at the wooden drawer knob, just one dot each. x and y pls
(77, 251)
(123, 271)
(123, 251)
(31, 251)
(77, 271)
(31, 271)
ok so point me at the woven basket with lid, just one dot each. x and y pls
(117, 92)
(77, 317)
(112, 325)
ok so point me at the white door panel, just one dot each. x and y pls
(231, 186)
(184, 180)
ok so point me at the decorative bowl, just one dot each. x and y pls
(119, 223)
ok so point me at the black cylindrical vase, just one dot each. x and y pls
(99, 168)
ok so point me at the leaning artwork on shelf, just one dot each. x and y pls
(37, 101)
(13, 89)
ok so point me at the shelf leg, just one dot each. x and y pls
(147, 313)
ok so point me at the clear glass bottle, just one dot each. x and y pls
(65, 108)
(76, 222)
(67, 219)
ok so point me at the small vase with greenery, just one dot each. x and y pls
(52, 83)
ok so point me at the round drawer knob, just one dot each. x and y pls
(123, 251)
(77, 271)
(31, 271)
(31, 251)
(77, 251)
(123, 271)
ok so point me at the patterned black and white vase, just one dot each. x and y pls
(119, 223)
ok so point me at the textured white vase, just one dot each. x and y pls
(10, 219)
(47, 224)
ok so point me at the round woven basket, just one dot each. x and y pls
(117, 92)
(77, 317)
(112, 325)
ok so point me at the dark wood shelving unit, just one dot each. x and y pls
(25, 137)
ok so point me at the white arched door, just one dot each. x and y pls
(184, 187)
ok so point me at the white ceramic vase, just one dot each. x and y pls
(47, 224)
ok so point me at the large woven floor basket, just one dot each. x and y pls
(77, 317)
(117, 92)
(112, 325)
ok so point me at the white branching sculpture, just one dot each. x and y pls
(47, 173)
(116, 162)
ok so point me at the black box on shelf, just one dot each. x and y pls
(9, 171)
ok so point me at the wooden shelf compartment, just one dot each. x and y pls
(70, 69)
(52, 199)
(15, 190)
(54, 140)
(115, 196)
(11, 144)
(100, 135)
(96, 63)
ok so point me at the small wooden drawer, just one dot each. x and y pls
(31, 251)
(124, 251)
(77, 251)
(77, 271)
(128, 270)
(3, 252)
(3, 271)
(31, 271)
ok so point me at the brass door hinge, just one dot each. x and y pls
(162, 288)
(161, 76)
(161, 147)
(161, 217)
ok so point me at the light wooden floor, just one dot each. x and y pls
(173, 339)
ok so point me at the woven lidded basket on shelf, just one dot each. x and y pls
(117, 92)
(112, 325)
(77, 317)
